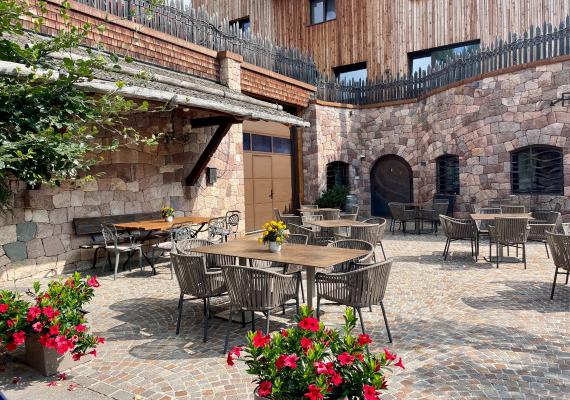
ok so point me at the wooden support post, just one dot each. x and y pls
(209, 151)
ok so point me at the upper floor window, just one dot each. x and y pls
(351, 73)
(242, 24)
(266, 144)
(447, 174)
(337, 174)
(322, 10)
(537, 169)
(421, 60)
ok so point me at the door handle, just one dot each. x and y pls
(271, 194)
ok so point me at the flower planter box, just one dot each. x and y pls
(48, 361)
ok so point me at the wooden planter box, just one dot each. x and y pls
(48, 361)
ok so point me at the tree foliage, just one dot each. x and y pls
(50, 129)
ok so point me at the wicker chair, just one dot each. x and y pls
(291, 219)
(116, 244)
(352, 214)
(459, 229)
(308, 217)
(510, 209)
(400, 215)
(368, 233)
(381, 231)
(217, 229)
(280, 217)
(178, 232)
(310, 206)
(196, 281)
(509, 232)
(212, 261)
(252, 289)
(560, 248)
(329, 215)
(232, 224)
(363, 287)
(432, 213)
(353, 244)
(538, 231)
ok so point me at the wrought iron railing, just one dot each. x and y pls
(179, 19)
(534, 45)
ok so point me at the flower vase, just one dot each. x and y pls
(48, 361)
(169, 218)
(274, 247)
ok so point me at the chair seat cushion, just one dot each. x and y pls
(125, 247)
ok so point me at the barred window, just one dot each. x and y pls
(337, 174)
(537, 169)
(447, 174)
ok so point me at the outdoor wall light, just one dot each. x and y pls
(423, 163)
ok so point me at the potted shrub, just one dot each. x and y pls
(274, 233)
(53, 327)
(311, 362)
(334, 197)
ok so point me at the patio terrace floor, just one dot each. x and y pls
(463, 329)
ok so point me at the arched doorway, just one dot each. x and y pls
(390, 181)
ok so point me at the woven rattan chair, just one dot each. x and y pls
(279, 216)
(252, 289)
(351, 217)
(368, 233)
(212, 261)
(363, 287)
(483, 226)
(510, 209)
(432, 212)
(315, 238)
(178, 232)
(459, 229)
(196, 281)
(560, 248)
(352, 244)
(509, 232)
(401, 215)
(309, 206)
(309, 216)
(538, 231)
(114, 243)
(291, 219)
(382, 222)
(330, 215)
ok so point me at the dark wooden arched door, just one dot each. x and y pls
(390, 181)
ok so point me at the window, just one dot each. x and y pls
(242, 24)
(261, 143)
(322, 10)
(351, 73)
(337, 174)
(246, 142)
(537, 169)
(281, 145)
(447, 174)
(421, 60)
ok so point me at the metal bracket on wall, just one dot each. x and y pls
(563, 99)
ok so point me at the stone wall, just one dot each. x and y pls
(38, 236)
(481, 122)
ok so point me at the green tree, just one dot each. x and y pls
(50, 129)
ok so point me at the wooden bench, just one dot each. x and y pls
(92, 226)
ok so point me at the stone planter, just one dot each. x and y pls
(48, 361)
(274, 247)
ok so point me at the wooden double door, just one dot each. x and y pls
(267, 186)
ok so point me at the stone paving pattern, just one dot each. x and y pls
(481, 122)
(464, 330)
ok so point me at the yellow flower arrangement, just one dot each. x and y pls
(273, 231)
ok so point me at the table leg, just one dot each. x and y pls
(310, 285)
(144, 254)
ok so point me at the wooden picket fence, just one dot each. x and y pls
(538, 43)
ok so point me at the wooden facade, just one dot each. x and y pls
(383, 32)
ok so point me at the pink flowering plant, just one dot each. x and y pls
(56, 316)
(12, 320)
(312, 362)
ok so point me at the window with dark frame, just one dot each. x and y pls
(243, 24)
(351, 73)
(421, 60)
(322, 11)
(537, 169)
(337, 174)
(266, 144)
(447, 174)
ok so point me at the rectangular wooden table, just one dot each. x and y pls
(318, 209)
(337, 223)
(308, 256)
(160, 225)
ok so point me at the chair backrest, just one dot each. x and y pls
(353, 244)
(490, 210)
(309, 206)
(397, 210)
(368, 283)
(511, 230)
(454, 228)
(330, 214)
(368, 233)
(277, 214)
(254, 289)
(470, 208)
(554, 218)
(355, 210)
(557, 207)
(216, 228)
(183, 231)
(440, 207)
(110, 235)
(191, 274)
(381, 229)
(508, 209)
(292, 219)
(296, 238)
(308, 217)
(560, 249)
(565, 228)
(232, 220)
(185, 246)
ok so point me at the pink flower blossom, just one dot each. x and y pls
(54, 330)
(93, 352)
(264, 389)
(37, 327)
(389, 356)
(49, 312)
(19, 337)
(80, 328)
(77, 356)
(306, 343)
(100, 340)
(364, 339)
(236, 351)
(93, 282)
(400, 364)
(259, 340)
(314, 393)
(310, 324)
(4, 308)
(336, 379)
(345, 358)
(33, 312)
(370, 392)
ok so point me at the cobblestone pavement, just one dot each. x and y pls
(464, 330)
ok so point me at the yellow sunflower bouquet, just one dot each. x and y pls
(273, 231)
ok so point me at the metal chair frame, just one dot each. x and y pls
(111, 239)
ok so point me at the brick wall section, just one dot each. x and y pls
(40, 237)
(481, 122)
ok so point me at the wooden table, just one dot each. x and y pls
(337, 223)
(308, 256)
(160, 225)
(318, 209)
(491, 217)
